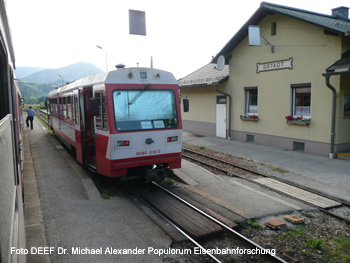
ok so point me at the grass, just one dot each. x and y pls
(105, 194)
(304, 241)
(254, 224)
(315, 244)
(307, 215)
(202, 148)
(276, 169)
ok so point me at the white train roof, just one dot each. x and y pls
(121, 76)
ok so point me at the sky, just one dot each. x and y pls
(182, 35)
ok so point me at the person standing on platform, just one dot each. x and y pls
(30, 117)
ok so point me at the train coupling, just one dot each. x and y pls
(156, 174)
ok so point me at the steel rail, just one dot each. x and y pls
(275, 258)
(41, 115)
(344, 203)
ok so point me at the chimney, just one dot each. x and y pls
(341, 12)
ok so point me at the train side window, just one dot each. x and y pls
(64, 106)
(76, 112)
(101, 118)
(54, 106)
(61, 106)
(51, 106)
(69, 107)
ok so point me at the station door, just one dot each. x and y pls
(221, 117)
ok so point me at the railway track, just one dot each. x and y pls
(168, 215)
(323, 202)
(43, 116)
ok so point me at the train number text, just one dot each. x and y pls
(144, 153)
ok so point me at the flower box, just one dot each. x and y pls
(297, 121)
(254, 118)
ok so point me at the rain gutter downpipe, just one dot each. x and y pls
(327, 76)
(229, 105)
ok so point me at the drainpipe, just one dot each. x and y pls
(327, 76)
(229, 107)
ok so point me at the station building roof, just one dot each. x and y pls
(341, 66)
(208, 75)
(337, 23)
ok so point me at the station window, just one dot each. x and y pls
(346, 108)
(251, 101)
(101, 118)
(221, 99)
(273, 28)
(301, 100)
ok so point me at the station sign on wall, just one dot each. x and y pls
(274, 65)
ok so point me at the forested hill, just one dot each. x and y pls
(69, 73)
(36, 83)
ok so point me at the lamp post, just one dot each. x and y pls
(106, 56)
(61, 77)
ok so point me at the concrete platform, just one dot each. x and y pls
(72, 216)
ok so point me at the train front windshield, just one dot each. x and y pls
(144, 109)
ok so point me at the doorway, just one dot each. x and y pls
(221, 117)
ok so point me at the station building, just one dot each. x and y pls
(292, 91)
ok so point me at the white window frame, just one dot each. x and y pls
(294, 87)
(247, 91)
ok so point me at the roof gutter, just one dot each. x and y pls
(229, 105)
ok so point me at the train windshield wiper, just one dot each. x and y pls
(139, 94)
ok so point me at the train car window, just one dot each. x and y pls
(76, 112)
(4, 89)
(56, 106)
(69, 108)
(60, 106)
(50, 106)
(64, 107)
(101, 118)
(153, 109)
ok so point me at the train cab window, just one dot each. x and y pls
(101, 118)
(144, 109)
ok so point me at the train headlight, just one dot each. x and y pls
(123, 143)
(172, 139)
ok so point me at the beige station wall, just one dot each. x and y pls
(202, 103)
(312, 52)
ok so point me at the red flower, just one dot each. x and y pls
(289, 118)
(254, 117)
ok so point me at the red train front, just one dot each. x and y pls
(120, 120)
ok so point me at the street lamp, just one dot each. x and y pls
(61, 77)
(106, 56)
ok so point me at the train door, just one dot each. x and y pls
(87, 129)
(221, 116)
(77, 126)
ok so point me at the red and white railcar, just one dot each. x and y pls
(123, 119)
